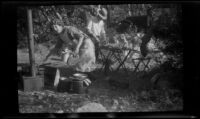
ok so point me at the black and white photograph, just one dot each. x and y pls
(80, 58)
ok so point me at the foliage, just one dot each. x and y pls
(43, 15)
(166, 19)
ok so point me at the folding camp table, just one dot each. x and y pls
(116, 54)
(141, 61)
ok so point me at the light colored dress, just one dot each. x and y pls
(70, 36)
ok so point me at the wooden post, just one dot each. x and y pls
(129, 10)
(31, 43)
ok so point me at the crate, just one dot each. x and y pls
(33, 83)
(50, 73)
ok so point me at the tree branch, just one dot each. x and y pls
(56, 13)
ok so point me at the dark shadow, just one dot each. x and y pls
(20, 81)
(44, 64)
(56, 59)
(23, 64)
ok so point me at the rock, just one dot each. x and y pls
(115, 104)
(92, 107)
(60, 111)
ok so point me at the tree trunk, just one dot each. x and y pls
(132, 10)
(129, 10)
(149, 17)
(31, 43)
(108, 17)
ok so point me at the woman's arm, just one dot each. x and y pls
(79, 44)
(77, 34)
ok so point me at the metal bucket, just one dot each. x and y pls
(64, 85)
(78, 86)
(77, 83)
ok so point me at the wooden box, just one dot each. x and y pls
(50, 73)
(33, 83)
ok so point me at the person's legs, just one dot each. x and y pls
(96, 47)
(103, 37)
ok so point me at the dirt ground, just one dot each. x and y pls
(113, 96)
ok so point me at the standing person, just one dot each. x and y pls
(102, 14)
(95, 22)
(95, 25)
(78, 43)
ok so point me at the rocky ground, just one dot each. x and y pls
(104, 100)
